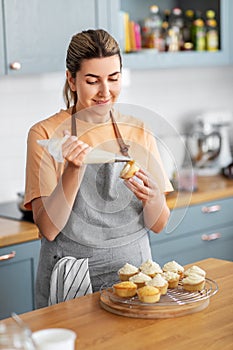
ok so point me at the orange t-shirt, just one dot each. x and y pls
(43, 172)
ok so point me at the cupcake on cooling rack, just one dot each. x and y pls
(127, 271)
(125, 289)
(150, 268)
(193, 283)
(172, 278)
(194, 270)
(140, 279)
(159, 282)
(148, 294)
(173, 266)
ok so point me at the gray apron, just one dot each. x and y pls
(105, 225)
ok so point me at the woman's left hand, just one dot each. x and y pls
(146, 189)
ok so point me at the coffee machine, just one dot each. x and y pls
(208, 142)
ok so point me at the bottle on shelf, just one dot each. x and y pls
(187, 29)
(199, 32)
(174, 36)
(212, 32)
(152, 30)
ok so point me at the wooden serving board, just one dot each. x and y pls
(150, 310)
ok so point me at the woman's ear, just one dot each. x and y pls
(71, 81)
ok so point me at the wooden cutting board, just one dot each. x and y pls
(150, 310)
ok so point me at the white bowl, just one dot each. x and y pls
(54, 339)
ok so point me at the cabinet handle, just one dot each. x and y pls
(8, 256)
(211, 209)
(211, 237)
(15, 66)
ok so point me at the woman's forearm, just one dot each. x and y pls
(156, 214)
(51, 213)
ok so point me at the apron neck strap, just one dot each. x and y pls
(123, 147)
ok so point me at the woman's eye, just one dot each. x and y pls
(92, 82)
(114, 78)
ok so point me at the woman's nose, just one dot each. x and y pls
(104, 89)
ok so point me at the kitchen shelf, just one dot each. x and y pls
(153, 60)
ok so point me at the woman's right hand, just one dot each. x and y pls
(74, 150)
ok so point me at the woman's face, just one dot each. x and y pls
(98, 83)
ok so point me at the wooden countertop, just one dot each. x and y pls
(209, 188)
(98, 329)
(14, 232)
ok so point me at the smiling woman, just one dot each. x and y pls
(86, 211)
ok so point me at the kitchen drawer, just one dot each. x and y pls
(198, 217)
(18, 265)
(191, 247)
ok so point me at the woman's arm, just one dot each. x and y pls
(155, 210)
(51, 213)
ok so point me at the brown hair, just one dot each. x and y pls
(86, 45)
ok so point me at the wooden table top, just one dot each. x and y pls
(14, 232)
(98, 329)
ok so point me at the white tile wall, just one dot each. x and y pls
(176, 94)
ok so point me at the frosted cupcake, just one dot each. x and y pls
(159, 282)
(195, 270)
(127, 271)
(150, 268)
(173, 266)
(172, 278)
(140, 279)
(193, 283)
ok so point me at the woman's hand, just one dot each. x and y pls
(74, 150)
(155, 209)
(143, 186)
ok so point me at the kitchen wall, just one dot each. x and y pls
(175, 94)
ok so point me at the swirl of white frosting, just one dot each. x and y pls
(170, 275)
(157, 281)
(150, 266)
(128, 269)
(195, 270)
(173, 266)
(193, 279)
(140, 277)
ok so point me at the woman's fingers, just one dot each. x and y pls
(74, 150)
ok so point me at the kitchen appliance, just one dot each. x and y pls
(208, 142)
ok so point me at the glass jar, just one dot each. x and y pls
(13, 337)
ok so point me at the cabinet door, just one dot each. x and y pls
(191, 247)
(38, 32)
(2, 58)
(17, 277)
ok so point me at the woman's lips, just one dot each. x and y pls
(101, 102)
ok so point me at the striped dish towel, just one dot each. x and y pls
(70, 279)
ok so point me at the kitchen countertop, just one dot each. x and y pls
(99, 329)
(209, 188)
(16, 231)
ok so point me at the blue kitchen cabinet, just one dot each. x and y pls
(195, 233)
(18, 266)
(36, 33)
(145, 59)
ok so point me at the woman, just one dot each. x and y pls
(86, 211)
